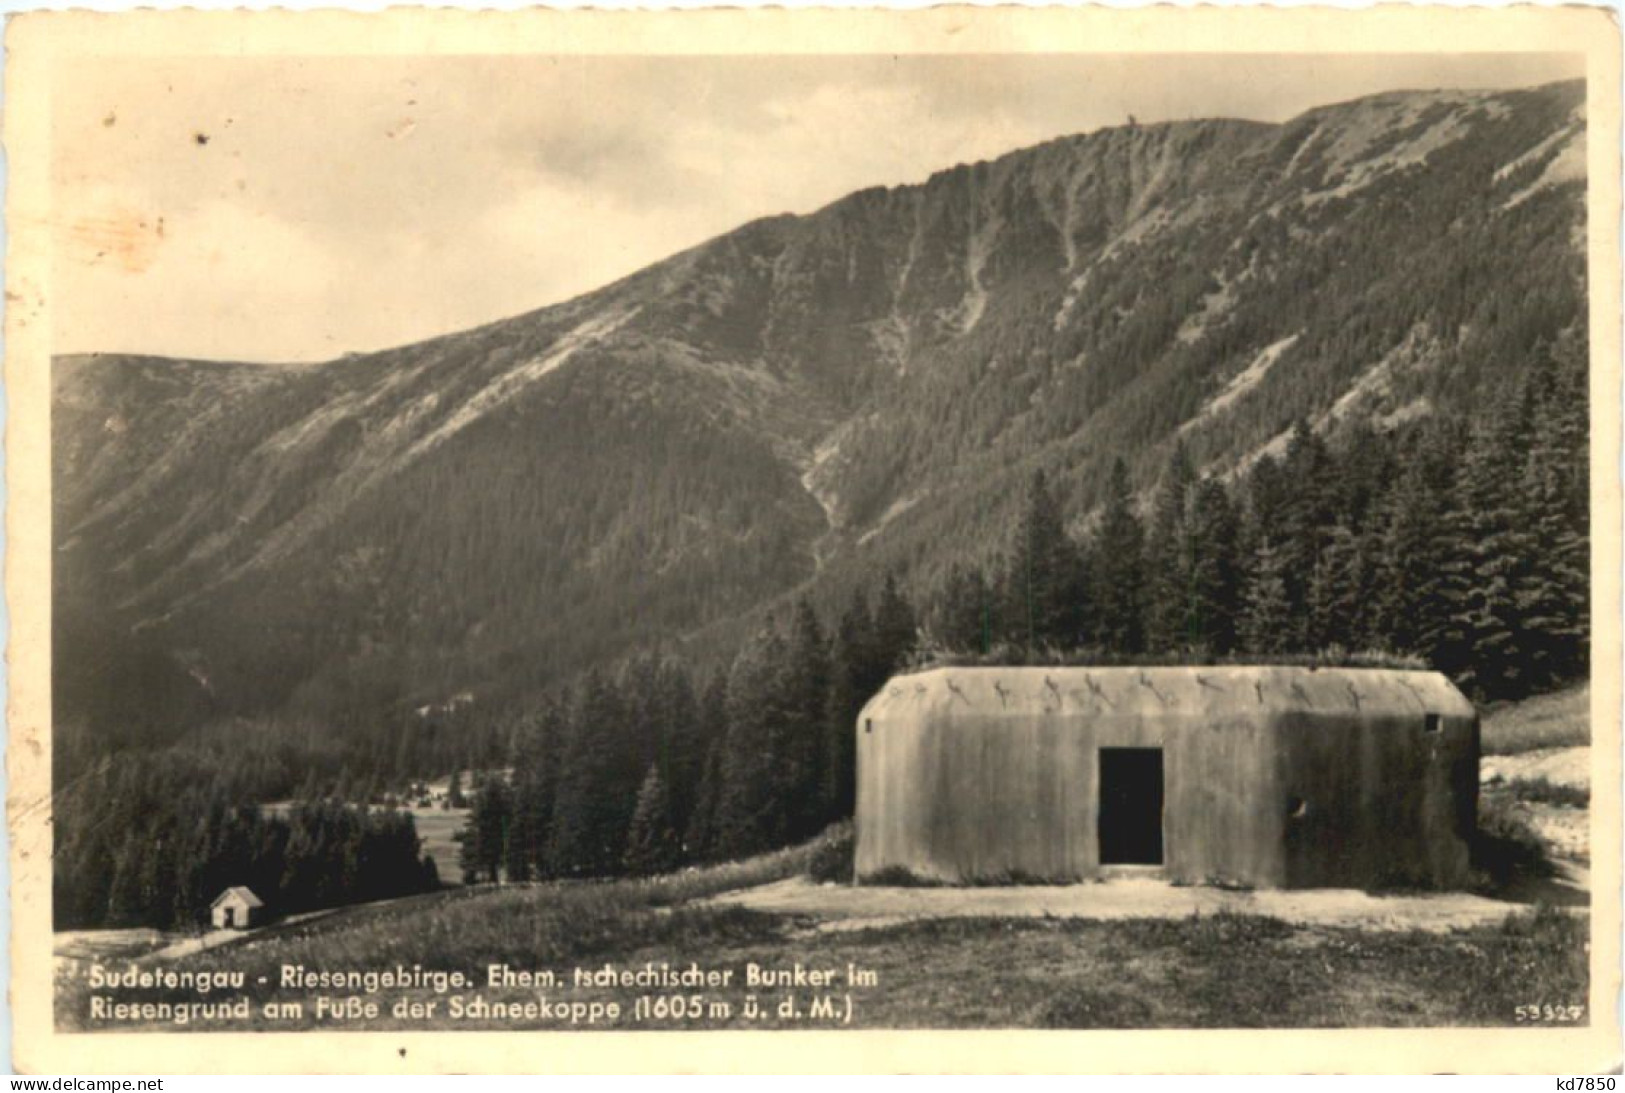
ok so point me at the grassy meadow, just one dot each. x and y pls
(1199, 972)
(438, 829)
(1215, 971)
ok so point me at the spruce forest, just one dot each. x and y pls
(1462, 546)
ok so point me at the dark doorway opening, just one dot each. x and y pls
(1130, 823)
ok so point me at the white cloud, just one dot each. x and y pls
(313, 206)
(199, 282)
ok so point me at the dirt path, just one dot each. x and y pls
(214, 939)
(1559, 766)
(105, 944)
(842, 907)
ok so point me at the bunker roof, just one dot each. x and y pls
(1182, 692)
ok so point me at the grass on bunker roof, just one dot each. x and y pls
(1009, 655)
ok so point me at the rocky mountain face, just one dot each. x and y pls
(794, 406)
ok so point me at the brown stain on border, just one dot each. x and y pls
(129, 241)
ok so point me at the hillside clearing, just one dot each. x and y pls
(436, 825)
(438, 829)
(1561, 719)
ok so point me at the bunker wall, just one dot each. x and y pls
(955, 799)
(1218, 772)
(1378, 802)
(999, 798)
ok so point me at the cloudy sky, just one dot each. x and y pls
(278, 209)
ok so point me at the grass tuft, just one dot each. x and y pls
(700, 882)
(1546, 792)
(1506, 849)
(1018, 656)
(896, 876)
(834, 858)
(1080, 1005)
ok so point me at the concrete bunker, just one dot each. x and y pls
(1267, 777)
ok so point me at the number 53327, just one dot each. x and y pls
(1548, 1014)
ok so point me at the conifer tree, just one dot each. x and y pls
(963, 616)
(1267, 625)
(683, 739)
(535, 786)
(651, 845)
(1168, 577)
(895, 633)
(475, 854)
(1340, 593)
(712, 721)
(1489, 614)
(1555, 599)
(807, 677)
(1409, 607)
(592, 805)
(750, 813)
(1044, 594)
(699, 834)
(490, 820)
(1363, 471)
(1117, 569)
(1210, 560)
(852, 684)
(644, 726)
(1305, 520)
(1266, 495)
(529, 814)
(125, 906)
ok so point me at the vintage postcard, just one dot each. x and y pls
(950, 540)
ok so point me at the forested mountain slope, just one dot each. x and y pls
(798, 402)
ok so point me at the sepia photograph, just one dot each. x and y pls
(888, 522)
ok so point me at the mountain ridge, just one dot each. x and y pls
(803, 399)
